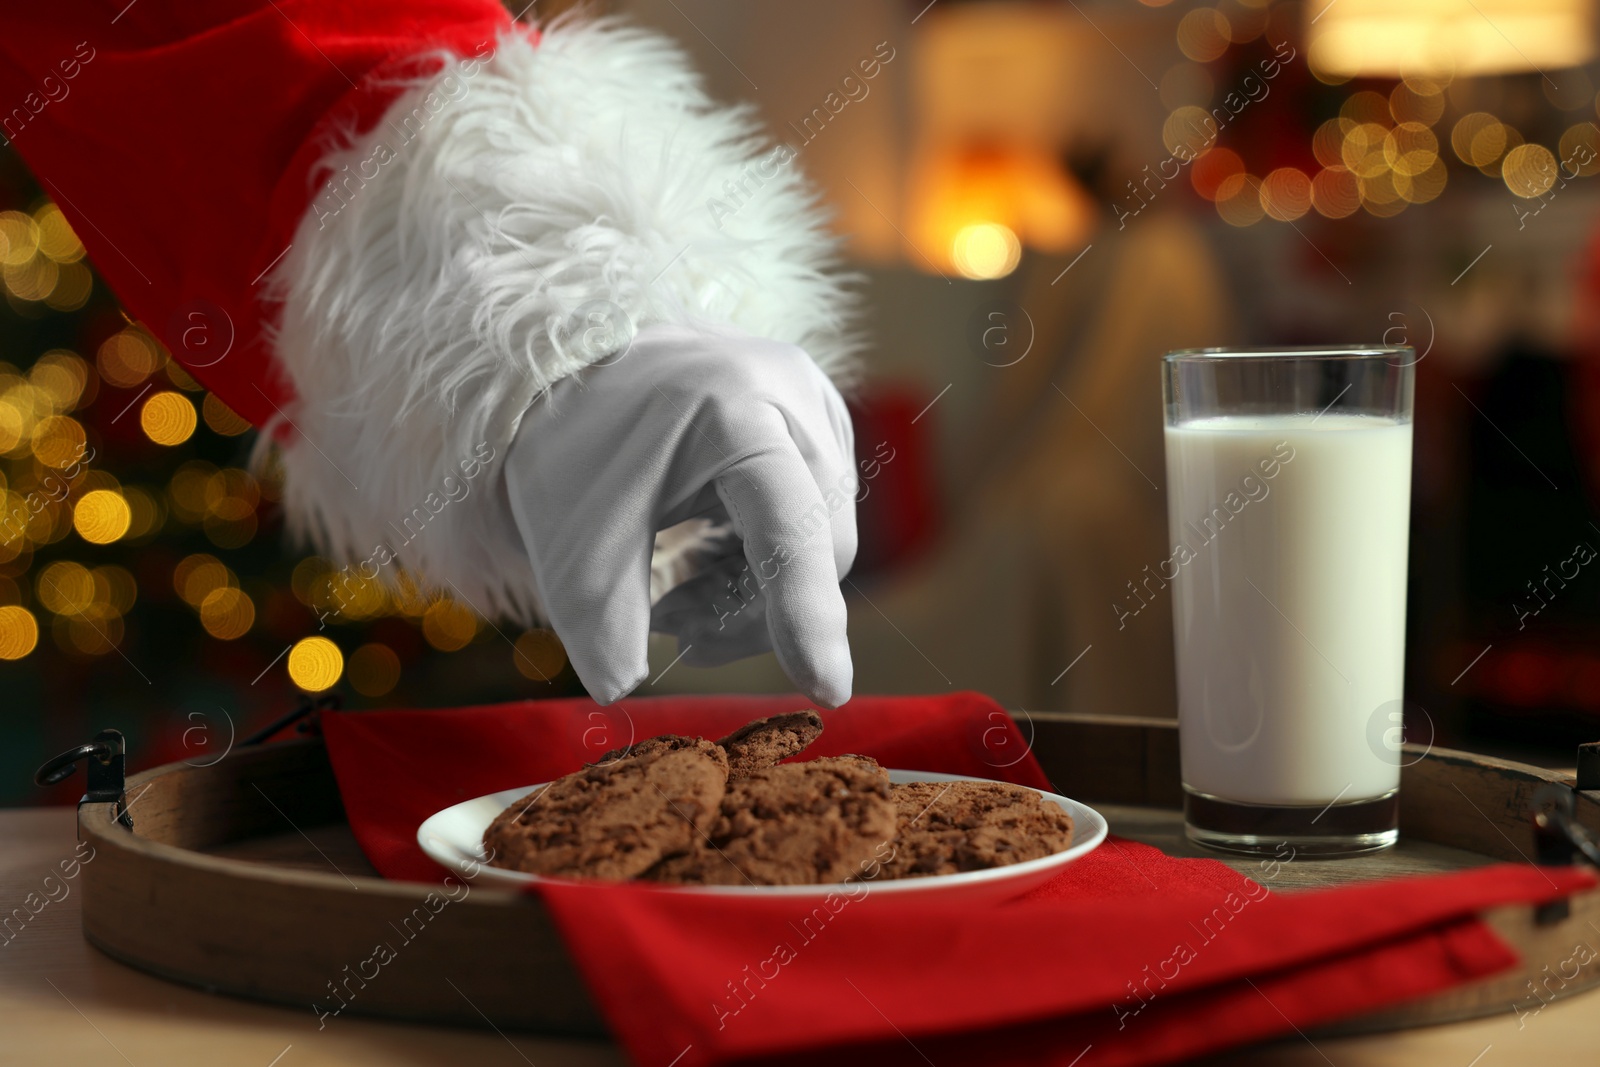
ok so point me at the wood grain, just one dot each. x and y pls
(242, 877)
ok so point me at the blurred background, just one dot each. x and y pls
(1041, 198)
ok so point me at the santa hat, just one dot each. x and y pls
(380, 229)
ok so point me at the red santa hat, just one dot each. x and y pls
(384, 219)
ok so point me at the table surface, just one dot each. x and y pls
(62, 1003)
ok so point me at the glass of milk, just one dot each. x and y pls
(1288, 499)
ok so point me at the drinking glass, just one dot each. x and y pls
(1288, 503)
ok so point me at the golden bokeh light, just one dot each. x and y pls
(1239, 200)
(221, 418)
(56, 238)
(539, 655)
(1362, 151)
(1580, 150)
(115, 587)
(128, 357)
(102, 516)
(19, 633)
(1425, 186)
(146, 511)
(1410, 148)
(1204, 34)
(1285, 194)
(65, 588)
(1365, 107)
(315, 664)
(1208, 172)
(167, 418)
(1327, 144)
(1479, 139)
(227, 613)
(1406, 104)
(196, 576)
(374, 669)
(985, 250)
(34, 280)
(59, 377)
(449, 626)
(58, 441)
(187, 490)
(1529, 170)
(1189, 131)
(19, 238)
(74, 285)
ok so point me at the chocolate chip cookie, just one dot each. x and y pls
(948, 827)
(616, 819)
(769, 741)
(795, 824)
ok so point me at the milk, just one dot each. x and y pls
(1289, 536)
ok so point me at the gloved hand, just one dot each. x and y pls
(685, 423)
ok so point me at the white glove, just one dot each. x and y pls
(685, 423)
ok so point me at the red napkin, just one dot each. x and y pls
(1128, 957)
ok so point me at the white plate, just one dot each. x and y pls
(454, 838)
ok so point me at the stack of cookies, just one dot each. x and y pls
(688, 811)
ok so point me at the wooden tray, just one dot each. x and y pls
(243, 878)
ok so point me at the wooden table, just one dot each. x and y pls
(64, 1004)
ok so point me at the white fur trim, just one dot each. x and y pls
(430, 301)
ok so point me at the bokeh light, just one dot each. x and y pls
(315, 664)
(985, 250)
(1239, 200)
(539, 655)
(221, 418)
(58, 441)
(128, 357)
(1285, 194)
(1208, 172)
(19, 633)
(102, 516)
(227, 613)
(1580, 150)
(449, 626)
(1478, 138)
(167, 418)
(1529, 170)
(374, 669)
(1204, 34)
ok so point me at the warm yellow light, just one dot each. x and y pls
(1478, 138)
(539, 655)
(1382, 38)
(102, 516)
(221, 418)
(1286, 194)
(19, 633)
(985, 250)
(58, 441)
(1204, 34)
(127, 357)
(1406, 104)
(1239, 200)
(1580, 150)
(1529, 170)
(167, 418)
(374, 669)
(1335, 193)
(315, 664)
(56, 238)
(196, 576)
(449, 626)
(66, 588)
(19, 238)
(1362, 151)
(227, 614)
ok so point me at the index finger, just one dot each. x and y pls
(786, 527)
